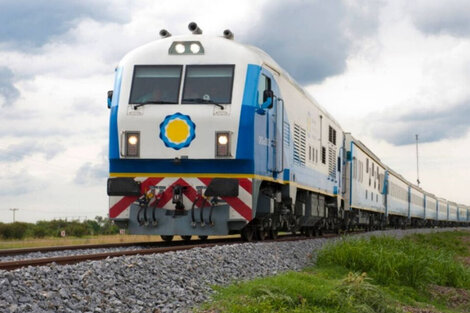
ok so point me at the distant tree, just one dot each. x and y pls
(93, 227)
(109, 228)
(19, 230)
(37, 231)
(100, 220)
(76, 229)
(43, 229)
(15, 230)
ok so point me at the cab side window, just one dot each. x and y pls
(263, 84)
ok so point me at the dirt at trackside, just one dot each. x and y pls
(454, 297)
(465, 260)
(410, 309)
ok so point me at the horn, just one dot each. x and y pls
(194, 28)
(228, 34)
(164, 33)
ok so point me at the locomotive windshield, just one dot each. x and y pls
(208, 82)
(157, 84)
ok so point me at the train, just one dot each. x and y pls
(209, 136)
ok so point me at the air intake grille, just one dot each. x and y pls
(299, 144)
(287, 134)
(332, 161)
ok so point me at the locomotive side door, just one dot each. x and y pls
(274, 122)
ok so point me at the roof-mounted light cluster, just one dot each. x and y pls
(186, 47)
(190, 47)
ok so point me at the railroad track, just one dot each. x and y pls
(163, 248)
(11, 252)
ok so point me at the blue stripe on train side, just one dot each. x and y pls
(226, 166)
(113, 127)
(246, 127)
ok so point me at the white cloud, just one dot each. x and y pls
(17, 182)
(28, 25)
(400, 69)
(442, 17)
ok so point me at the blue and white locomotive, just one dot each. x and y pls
(212, 137)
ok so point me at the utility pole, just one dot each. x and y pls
(14, 211)
(417, 161)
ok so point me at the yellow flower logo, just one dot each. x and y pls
(177, 131)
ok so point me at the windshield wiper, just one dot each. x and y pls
(201, 100)
(153, 102)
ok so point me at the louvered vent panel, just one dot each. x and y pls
(299, 144)
(332, 161)
(286, 134)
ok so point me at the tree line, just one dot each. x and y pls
(56, 227)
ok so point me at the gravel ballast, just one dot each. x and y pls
(169, 282)
(51, 254)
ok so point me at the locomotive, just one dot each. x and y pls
(208, 136)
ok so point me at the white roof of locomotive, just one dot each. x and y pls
(219, 50)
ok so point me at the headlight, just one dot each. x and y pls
(132, 140)
(132, 144)
(195, 48)
(180, 48)
(223, 139)
(222, 142)
(186, 47)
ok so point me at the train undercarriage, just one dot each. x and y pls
(311, 214)
(314, 214)
(277, 207)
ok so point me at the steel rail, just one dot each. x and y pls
(8, 252)
(18, 251)
(73, 259)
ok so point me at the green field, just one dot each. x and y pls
(417, 274)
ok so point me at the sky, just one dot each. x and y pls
(386, 70)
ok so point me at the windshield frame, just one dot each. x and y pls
(179, 66)
(184, 84)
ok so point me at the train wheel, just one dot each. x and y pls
(273, 234)
(261, 234)
(167, 238)
(186, 238)
(247, 234)
(202, 238)
(309, 232)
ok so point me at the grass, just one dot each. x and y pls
(308, 291)
(420, 273)
(391, 261)
(457, 242)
